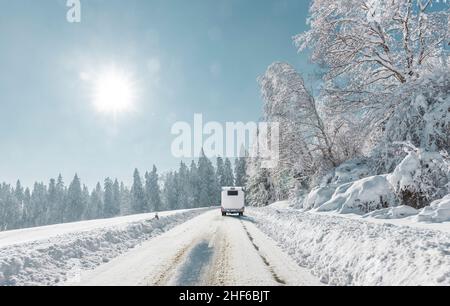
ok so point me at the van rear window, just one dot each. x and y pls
(233, 193)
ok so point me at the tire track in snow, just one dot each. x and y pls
(275, 276)
(171, 266)
(197, 261)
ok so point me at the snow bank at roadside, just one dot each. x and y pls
(398, 212)
(343, 251)
(58, 258)
(438, 211)
(422, 177)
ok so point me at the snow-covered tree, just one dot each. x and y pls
(85, 199)
(306, 145)
(183, 188)
(116, 197)
(110, 209)
(10, 209)
(220, 170)
(228, 175)
(53, 204)
(138, 201)
(26, 207)
(125, 200)
(39, 204)
(95, 207)
(194, 183)
(370, 47)
(61, 199)
(208, 185)
(153, 191)
(170, 191)
(259, 187)
(240, 171)
(75, 204)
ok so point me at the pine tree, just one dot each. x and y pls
(240, 171)
(26, 208)
(138, 202)
(95, 207)
(2, 210)
(259, 187)
(75, 208)
(125, 200)
(108, 199)
(52, 199)
(183, 187)
(12, 209)
(19, 197)
(228, 176)
(39, 205)
(148, 191)
(171, 191)
(116, 198)
(85, 199)
(194, 186)
(208, 193)
(18, 192)
(220, 171)
(61, 198)
(152, 189)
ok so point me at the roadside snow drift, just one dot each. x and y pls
(345, 251)
(438, 211)
(57, 253)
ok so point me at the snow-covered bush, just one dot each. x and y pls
(438, 211)
(349, 171)
(362, 196)
(421, 178)
(318, 196)
(259, 187)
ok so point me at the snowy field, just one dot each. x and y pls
(351, 250)
(52, 254)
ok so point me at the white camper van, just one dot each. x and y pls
(233, 200)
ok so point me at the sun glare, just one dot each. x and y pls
(114, 92)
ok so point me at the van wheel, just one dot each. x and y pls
(241, 214)
(224, 214)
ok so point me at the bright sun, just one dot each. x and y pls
(113, 92)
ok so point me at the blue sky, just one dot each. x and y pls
(185, 57)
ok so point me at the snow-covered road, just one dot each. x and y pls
(207, 250)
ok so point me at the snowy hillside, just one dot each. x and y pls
(349, 250)
(50, 255)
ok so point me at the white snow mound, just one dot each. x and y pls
(437, 212)
(318, 196)
(362, 196)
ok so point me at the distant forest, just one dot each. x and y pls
(193, 186)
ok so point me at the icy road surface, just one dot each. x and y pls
(207, 250)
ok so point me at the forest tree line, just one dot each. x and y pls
(193, 186)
